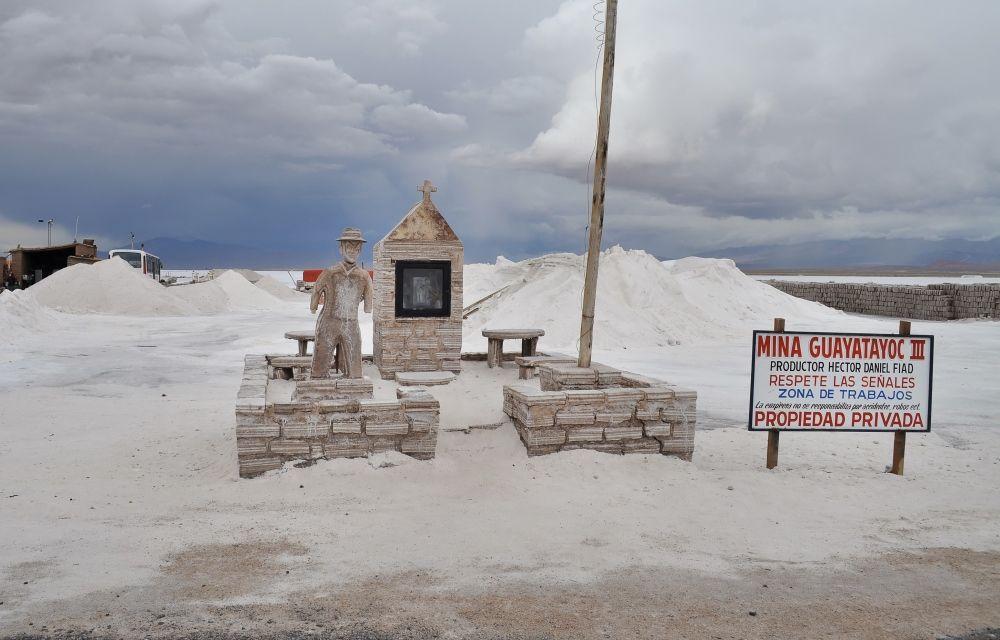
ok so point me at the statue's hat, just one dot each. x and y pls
(351, 234)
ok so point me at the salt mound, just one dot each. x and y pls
(718, 287)
(251, 275)
(261, 281)
(115, 288)
(230, 291)
(641, 302)
(106, 287)
(241, 294)
(278, 290)
(20, 313)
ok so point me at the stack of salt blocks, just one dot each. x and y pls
(945, 301)
(329, 418)
(603, 409)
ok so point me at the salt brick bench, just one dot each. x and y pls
(303, 338)
(300, 366)
(296, 365)
(495, 338)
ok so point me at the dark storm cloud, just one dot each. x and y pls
(277, 123)
(168, 109)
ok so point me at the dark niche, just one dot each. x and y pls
(423, 288)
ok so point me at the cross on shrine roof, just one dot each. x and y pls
(427, 189)
(423, 222)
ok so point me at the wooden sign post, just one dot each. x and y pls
(773, 434)
(847, 382)
(899, 438)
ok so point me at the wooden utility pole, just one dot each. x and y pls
(597, 195)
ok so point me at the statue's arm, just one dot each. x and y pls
(368, 293)
(318, 293)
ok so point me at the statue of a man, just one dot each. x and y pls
(341, 288)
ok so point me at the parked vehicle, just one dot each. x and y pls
(145, 262)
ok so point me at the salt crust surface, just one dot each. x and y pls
(118, 449)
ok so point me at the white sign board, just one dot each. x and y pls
(840, 382)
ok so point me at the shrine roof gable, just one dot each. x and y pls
(422, 223)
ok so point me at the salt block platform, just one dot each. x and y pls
(424, 378)
(603, 409)
(325, 418)
(336, 387)
(527, 364)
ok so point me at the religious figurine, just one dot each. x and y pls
(341, 288)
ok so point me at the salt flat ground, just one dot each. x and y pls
(121, 512)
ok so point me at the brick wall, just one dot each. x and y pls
(931, 302)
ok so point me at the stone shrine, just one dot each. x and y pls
(292, 408)
(417, 313)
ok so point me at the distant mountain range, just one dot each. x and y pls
(876, 254)
(869, 255)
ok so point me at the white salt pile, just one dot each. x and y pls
(230, 291)
(278, 290)
(721, 290)
(108, 287)
(113, 287)
(641, 301)
(20, 313)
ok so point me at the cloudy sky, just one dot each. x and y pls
(275, 124)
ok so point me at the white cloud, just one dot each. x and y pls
(167, 74)
(512, 95)
(407, 24)
(415, 120)
(784, 109)
(29, 233)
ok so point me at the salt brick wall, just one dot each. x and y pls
(269, 435)
(641, 416)
(931, 302)
(415, 344)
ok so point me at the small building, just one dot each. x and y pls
(29, 265)
(417, 307)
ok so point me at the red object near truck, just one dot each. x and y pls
(309, 277)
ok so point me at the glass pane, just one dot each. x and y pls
(134, 258)
(423, 289)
